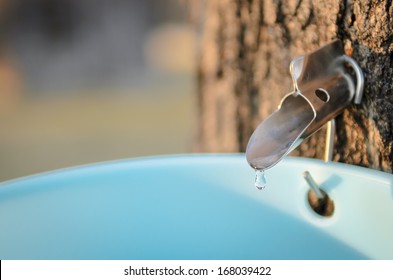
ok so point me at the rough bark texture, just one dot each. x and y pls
(243, 71)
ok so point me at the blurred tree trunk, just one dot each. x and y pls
(243, 71)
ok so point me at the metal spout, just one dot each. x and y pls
(323, 87)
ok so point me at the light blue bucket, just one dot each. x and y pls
(196, 207)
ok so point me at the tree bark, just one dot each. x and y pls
(245, 53)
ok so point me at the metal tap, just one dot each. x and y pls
(323, 86)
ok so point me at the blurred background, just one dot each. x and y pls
(93, 80)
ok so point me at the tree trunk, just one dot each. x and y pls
(245, 53)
